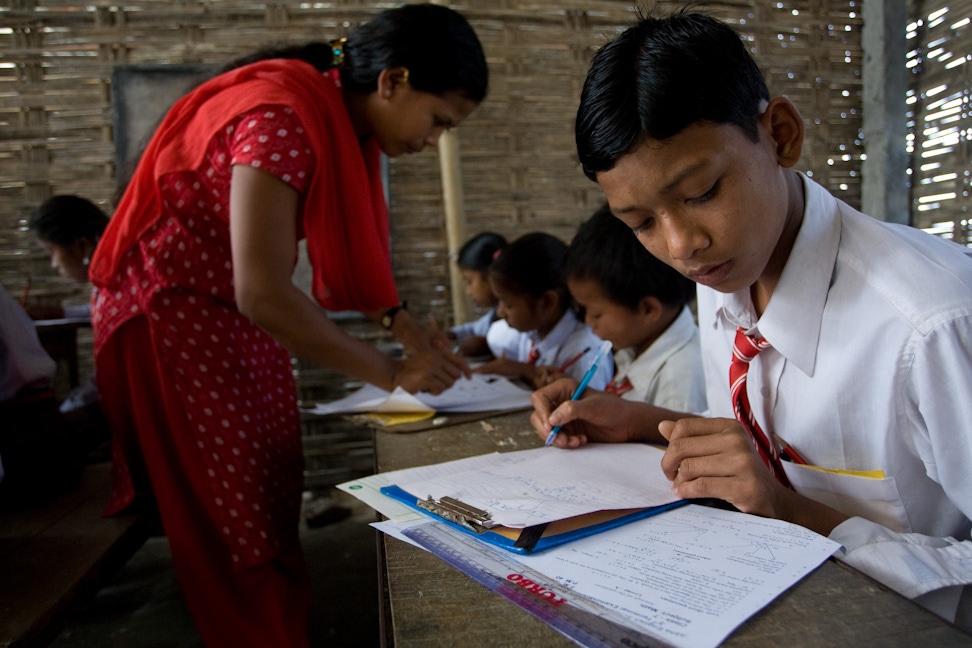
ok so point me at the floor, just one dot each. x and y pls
(142, 607)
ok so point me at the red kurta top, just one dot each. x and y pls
(167, 256)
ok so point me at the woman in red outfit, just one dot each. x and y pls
(197, 314)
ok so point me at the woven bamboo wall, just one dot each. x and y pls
(517, 153)
(940, 99)
(518, 161)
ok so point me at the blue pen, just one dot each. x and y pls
(605, 347)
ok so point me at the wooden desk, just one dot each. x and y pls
(428, 603)
(59, 337)
(56, 554)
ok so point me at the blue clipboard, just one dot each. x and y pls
(535, 538)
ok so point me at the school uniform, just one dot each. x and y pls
(870, 369)
(24, 364)
(668, 373)
(477, 327)
(566, 340)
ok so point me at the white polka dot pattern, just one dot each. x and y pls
(234, 382)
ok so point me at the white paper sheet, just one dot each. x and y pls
(479, 393)
(689, 576)
(530, 487)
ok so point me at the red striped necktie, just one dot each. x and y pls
(619, 388)
(534, 355)
(744, 349)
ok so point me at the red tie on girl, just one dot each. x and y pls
(534, 355)
(744, 349)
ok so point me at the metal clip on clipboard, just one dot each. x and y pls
(451, 509)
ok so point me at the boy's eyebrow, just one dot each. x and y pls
(686, 172)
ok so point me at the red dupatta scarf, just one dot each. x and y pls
(344, 218)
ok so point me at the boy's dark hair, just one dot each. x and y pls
(436, 44)
(660, 76)
(532, 264)
(606, 251)
(479, 251)
(62, 220)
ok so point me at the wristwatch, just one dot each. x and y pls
(389, 317)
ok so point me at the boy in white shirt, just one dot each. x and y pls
(851, 327)
(641, 305)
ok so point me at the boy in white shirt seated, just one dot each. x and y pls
(845, 336)
(641, 305)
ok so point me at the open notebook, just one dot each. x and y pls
(531, 500)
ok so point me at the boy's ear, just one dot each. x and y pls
(650, 307)
(785, 125)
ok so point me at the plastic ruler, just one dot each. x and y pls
(586, 622)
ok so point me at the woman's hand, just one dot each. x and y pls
(595, 417)
(428, 371)
(503, 366)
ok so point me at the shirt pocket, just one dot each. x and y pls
(871, 496)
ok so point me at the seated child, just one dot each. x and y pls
(474, 260)
(539, 336)
(640, 305)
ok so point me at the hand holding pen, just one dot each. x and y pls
(605, 347)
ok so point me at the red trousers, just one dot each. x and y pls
(263, 606)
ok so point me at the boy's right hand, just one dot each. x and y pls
(596, 417)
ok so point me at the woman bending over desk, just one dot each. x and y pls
(197, 314)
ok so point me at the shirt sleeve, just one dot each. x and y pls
(272, 138)
(938, 419)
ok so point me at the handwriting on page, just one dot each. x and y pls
(690, 575)
(536, 486)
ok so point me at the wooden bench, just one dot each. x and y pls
(56, 555)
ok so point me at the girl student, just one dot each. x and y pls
(641, 305)
(474, 259)
(539, 337)
(197, 314)
(68, 228)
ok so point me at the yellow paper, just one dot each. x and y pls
(389, 419)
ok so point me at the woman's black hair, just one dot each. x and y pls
(62, 220)
(479, 251)
(605, 250)
(532, 264)
(436, 44)
(660, 76)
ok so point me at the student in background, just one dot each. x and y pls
(641, 305)
(856, 331)
(475, 257)
(37, 450)
(197, 314)
(538, 336)
(68, 227)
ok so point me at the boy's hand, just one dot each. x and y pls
(716, 458)
(545, 375)
(596, 417)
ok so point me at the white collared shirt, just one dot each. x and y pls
(23, 361)
(568, 338)
(669, 372)
(476, 327)
(870, 369)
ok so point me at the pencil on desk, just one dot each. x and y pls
(570, 362)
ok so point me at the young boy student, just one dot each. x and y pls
(539, 335)
(857, 334)
(640, 304)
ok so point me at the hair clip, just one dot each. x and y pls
(337, 51)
